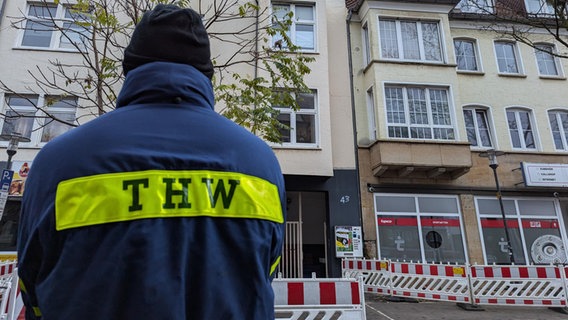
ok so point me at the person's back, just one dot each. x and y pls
(161, 209)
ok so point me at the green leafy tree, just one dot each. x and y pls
(99, 30)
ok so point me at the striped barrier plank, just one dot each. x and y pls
(518, 285)
(375, 274)
(319, 298)
(430, 281)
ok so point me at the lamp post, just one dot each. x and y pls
(492, 155)
(13, 140)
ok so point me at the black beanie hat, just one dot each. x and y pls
(169, 33)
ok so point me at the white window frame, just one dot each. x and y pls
(366, 45)
(516, 57)
(293, 113)
(487, 112)
(373, 133)
(519, 130)
(407, 124)
(475, 52)
(39, 118)
(400, 45)
(56, 34)
(418, 213)
(476, 6)
(516, 218)
(296, 21)
(545, 9)
(556, 114)
(542, 53)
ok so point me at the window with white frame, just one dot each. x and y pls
(466, 55)
(410, 40)
(417, 112)
(371, 114)
(559, 127)
(366, 46)
(421, 228)
(39, 118)
(477, 127)
(547, 63)
(539, 7)
(302, 32)
(54, 27)
(476, 6)
(301, 125)
(507, 57)
(533, 225)
(521, 124)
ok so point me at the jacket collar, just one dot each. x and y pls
(166, 82)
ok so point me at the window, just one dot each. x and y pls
(507, 57)
(559, 126)
(539, 7)
(423, 228)
(371, 114)
(54, 27)
(410, 40)
(520, 124)
(475, 6)
(302, 31)
(546, 61)
(466, 55)
(418, 113)
(301, 124)
(38, 124)
(477, 127)
(533, 225)
(366, 46)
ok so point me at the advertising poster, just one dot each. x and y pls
(348, 242)
(21, 170)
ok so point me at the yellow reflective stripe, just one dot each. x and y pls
(274, 265)
(116, 197)
(36, 310)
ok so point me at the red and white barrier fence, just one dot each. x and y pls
(319, 298)
(543, 285)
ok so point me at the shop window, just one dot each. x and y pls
(422, 228)
(533, 226)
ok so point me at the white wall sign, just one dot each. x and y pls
(545, 174)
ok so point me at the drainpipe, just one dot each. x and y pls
(2, 10)
(353, 113)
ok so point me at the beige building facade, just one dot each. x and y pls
(436, 90)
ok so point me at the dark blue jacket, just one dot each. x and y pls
(160, 209)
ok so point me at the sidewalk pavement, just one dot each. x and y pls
(382, 308)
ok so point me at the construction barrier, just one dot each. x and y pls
(518, 285)
(430, 281)
(542, 285)
(319, 298)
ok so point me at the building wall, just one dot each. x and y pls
(486, 88)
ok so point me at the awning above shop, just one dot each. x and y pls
(442, 160)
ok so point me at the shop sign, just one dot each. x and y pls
(545, 174)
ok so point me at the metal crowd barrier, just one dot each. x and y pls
(542, 285)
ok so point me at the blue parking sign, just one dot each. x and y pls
(6, 180)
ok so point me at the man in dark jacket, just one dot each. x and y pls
(160, 209)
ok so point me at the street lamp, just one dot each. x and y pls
(13, 140)
(492, 155)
